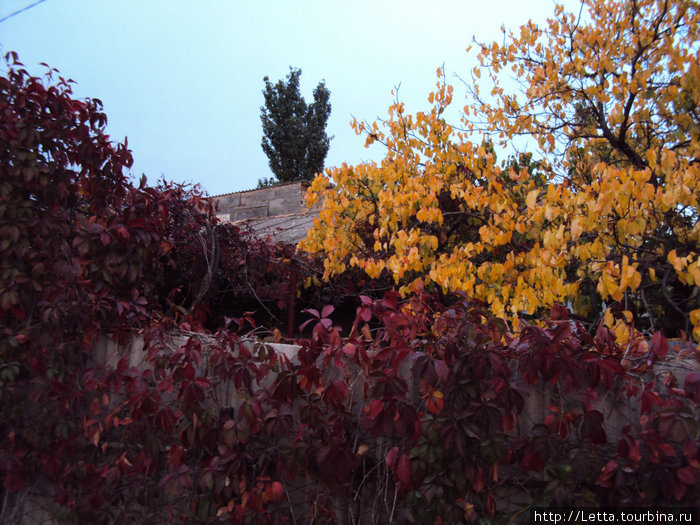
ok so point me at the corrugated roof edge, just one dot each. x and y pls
(303, 183)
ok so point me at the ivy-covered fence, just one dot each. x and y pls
(424, 413)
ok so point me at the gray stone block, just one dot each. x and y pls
(251, 212)
(227, 202)
(284, 206)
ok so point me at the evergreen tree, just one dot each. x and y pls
(294, 136)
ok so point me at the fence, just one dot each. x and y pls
(34, 505)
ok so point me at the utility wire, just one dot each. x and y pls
(21, 10)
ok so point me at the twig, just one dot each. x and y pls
(393, 505)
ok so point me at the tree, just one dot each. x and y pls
(611, 101)
(294, 136)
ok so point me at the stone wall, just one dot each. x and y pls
(282, 199)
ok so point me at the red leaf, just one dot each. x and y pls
(95, 227)
(635, 451)
(479, 482)
(690, 449)
(391, 457)
(659, 344)
(176, 455)
(491, 505)
(350, 350)
(403, 470)
(365, 313)
(648, 400)
(303, 325)
(508, 421)
(679, 490)
(335, 394)
(276, 490)
(122, 365)
(607, 472)
(203, 382)
(374, 409)
(667, 449)
(623, 448)
(95, 406)
(589, 397)
(434, 402)
(19, 313)
(327, 310)
(687, 475)
(322, 454)
(441, 369)
(313, 312)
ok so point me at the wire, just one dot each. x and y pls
(21, 10)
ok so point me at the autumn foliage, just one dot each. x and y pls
(605, 222)
(132, 391)
(87, 256)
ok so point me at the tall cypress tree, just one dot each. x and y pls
(294, 133)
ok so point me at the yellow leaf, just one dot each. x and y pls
(576, 229)
(608, 318)
(531, 199)
(651, 158)
(695, 320)
(677, 262)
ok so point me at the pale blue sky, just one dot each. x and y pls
(183, 80)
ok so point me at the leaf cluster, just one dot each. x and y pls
(86, 258)
(604, 221)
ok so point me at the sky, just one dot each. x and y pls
(183, 80)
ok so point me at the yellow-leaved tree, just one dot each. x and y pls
(606, 223)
